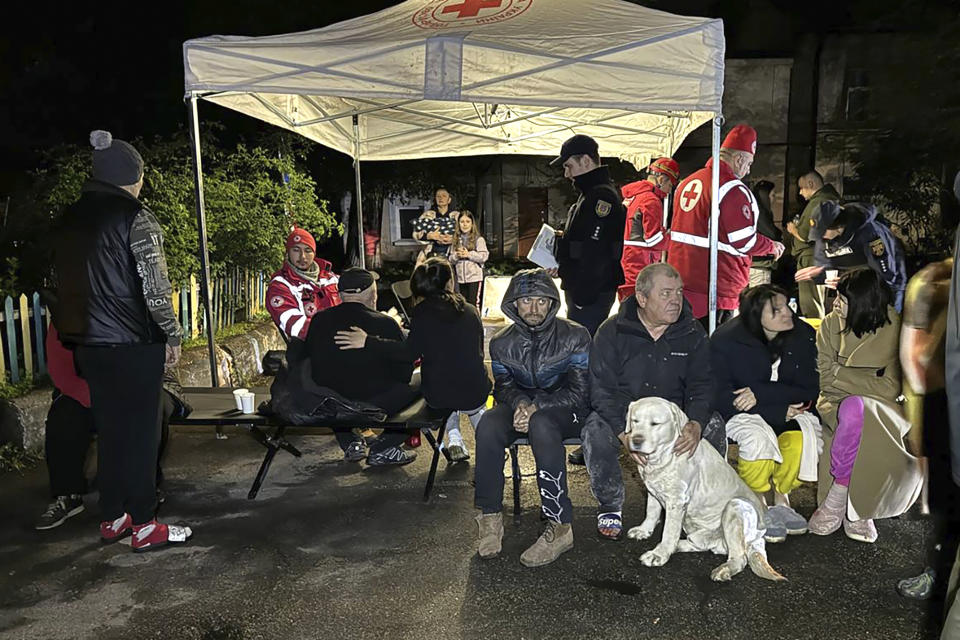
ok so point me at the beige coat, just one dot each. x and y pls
(886, 479)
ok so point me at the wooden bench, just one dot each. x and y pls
(216, 406)
(515, 468)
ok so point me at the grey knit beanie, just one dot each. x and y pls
(115, 161)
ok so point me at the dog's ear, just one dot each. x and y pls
(630, 409)
(679, 417)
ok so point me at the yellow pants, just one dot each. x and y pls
(757, 473)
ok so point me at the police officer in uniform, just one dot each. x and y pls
(852, 236)
(590, 246)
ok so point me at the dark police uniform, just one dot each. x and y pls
(590, 249)
(870, 244)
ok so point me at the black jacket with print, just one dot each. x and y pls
(627, 364)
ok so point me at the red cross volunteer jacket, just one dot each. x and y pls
(644, 236)
(689, 248)
(293, 300)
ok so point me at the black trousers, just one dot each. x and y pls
(548, 428)
(591, 316)
(471, 292)
(125, 386)
(69, 432)
(393, 400)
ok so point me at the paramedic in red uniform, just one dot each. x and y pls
(304, 286)
(738, 240)
(645, 235)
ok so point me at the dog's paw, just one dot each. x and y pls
(640, 532)
(654, 558)
(723, 573)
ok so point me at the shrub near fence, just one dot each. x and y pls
(236, 296)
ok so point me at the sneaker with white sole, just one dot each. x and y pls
(458, 453)
(775, 529)
(115, 530)
(391, 456)
(793, 522)
(153, 535)
(60, 509)
(860, 530)
(356, 451)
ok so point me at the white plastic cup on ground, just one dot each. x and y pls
(833, 274)
(237, 393)
(246, 402)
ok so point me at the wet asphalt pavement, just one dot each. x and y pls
(335, 550)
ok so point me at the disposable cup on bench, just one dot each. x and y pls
(237, 394)
(246, 401)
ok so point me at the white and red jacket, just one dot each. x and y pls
(644, 236)
(689, 247)
(293, 300)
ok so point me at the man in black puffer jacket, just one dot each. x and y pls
(652, 348)
(541, 384)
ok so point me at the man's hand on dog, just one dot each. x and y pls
(744, 399)
(688, 440)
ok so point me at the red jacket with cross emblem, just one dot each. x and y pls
(689, 248)
(644, 236)
(293, 300)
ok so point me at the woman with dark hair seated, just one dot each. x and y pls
(764, 363)
(447, 336)
(865, 472)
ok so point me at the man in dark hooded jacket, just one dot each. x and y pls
(653, 347)
(852, 236)
(541, 387)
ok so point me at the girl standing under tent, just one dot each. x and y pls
(468, 253)
(436, 226)
(865, 470)
(447, 336)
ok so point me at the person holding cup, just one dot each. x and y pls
(852, 236)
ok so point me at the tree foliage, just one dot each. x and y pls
(253, 196)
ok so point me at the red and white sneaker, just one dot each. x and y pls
(115, 530)
(153, 535)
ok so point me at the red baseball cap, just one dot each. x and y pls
(742, 137)
(668, 167)
(300, 236)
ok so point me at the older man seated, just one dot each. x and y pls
(540, 384)
(652, 347)
(362, 374)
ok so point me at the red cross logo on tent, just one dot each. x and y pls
(471, 8)
(440, 14)
(690, 195)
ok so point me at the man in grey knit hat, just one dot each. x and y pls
(115, 310)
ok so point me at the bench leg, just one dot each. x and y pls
(515, 474)
(435, 445)
(273, 444)
(262, 473)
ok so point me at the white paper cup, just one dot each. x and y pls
(246, 402)
(832, 274)
(236, 396)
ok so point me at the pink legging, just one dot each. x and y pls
(846, 441)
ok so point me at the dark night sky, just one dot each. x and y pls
(89, 65)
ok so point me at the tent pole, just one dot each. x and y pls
(361, 249)
(202, 232)
(714, 221)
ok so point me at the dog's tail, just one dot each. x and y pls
(760, 567)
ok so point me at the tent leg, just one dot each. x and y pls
(714, 222)
(202, 231)
(361, 247)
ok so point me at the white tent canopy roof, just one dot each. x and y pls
(436, 78)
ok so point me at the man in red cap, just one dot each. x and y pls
(689, 245)
(645, 235)
(304, 285)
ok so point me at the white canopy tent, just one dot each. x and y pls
(431, 78)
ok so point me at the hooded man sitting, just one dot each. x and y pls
(540, 369)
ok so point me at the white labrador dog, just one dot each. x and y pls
(702, 494)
